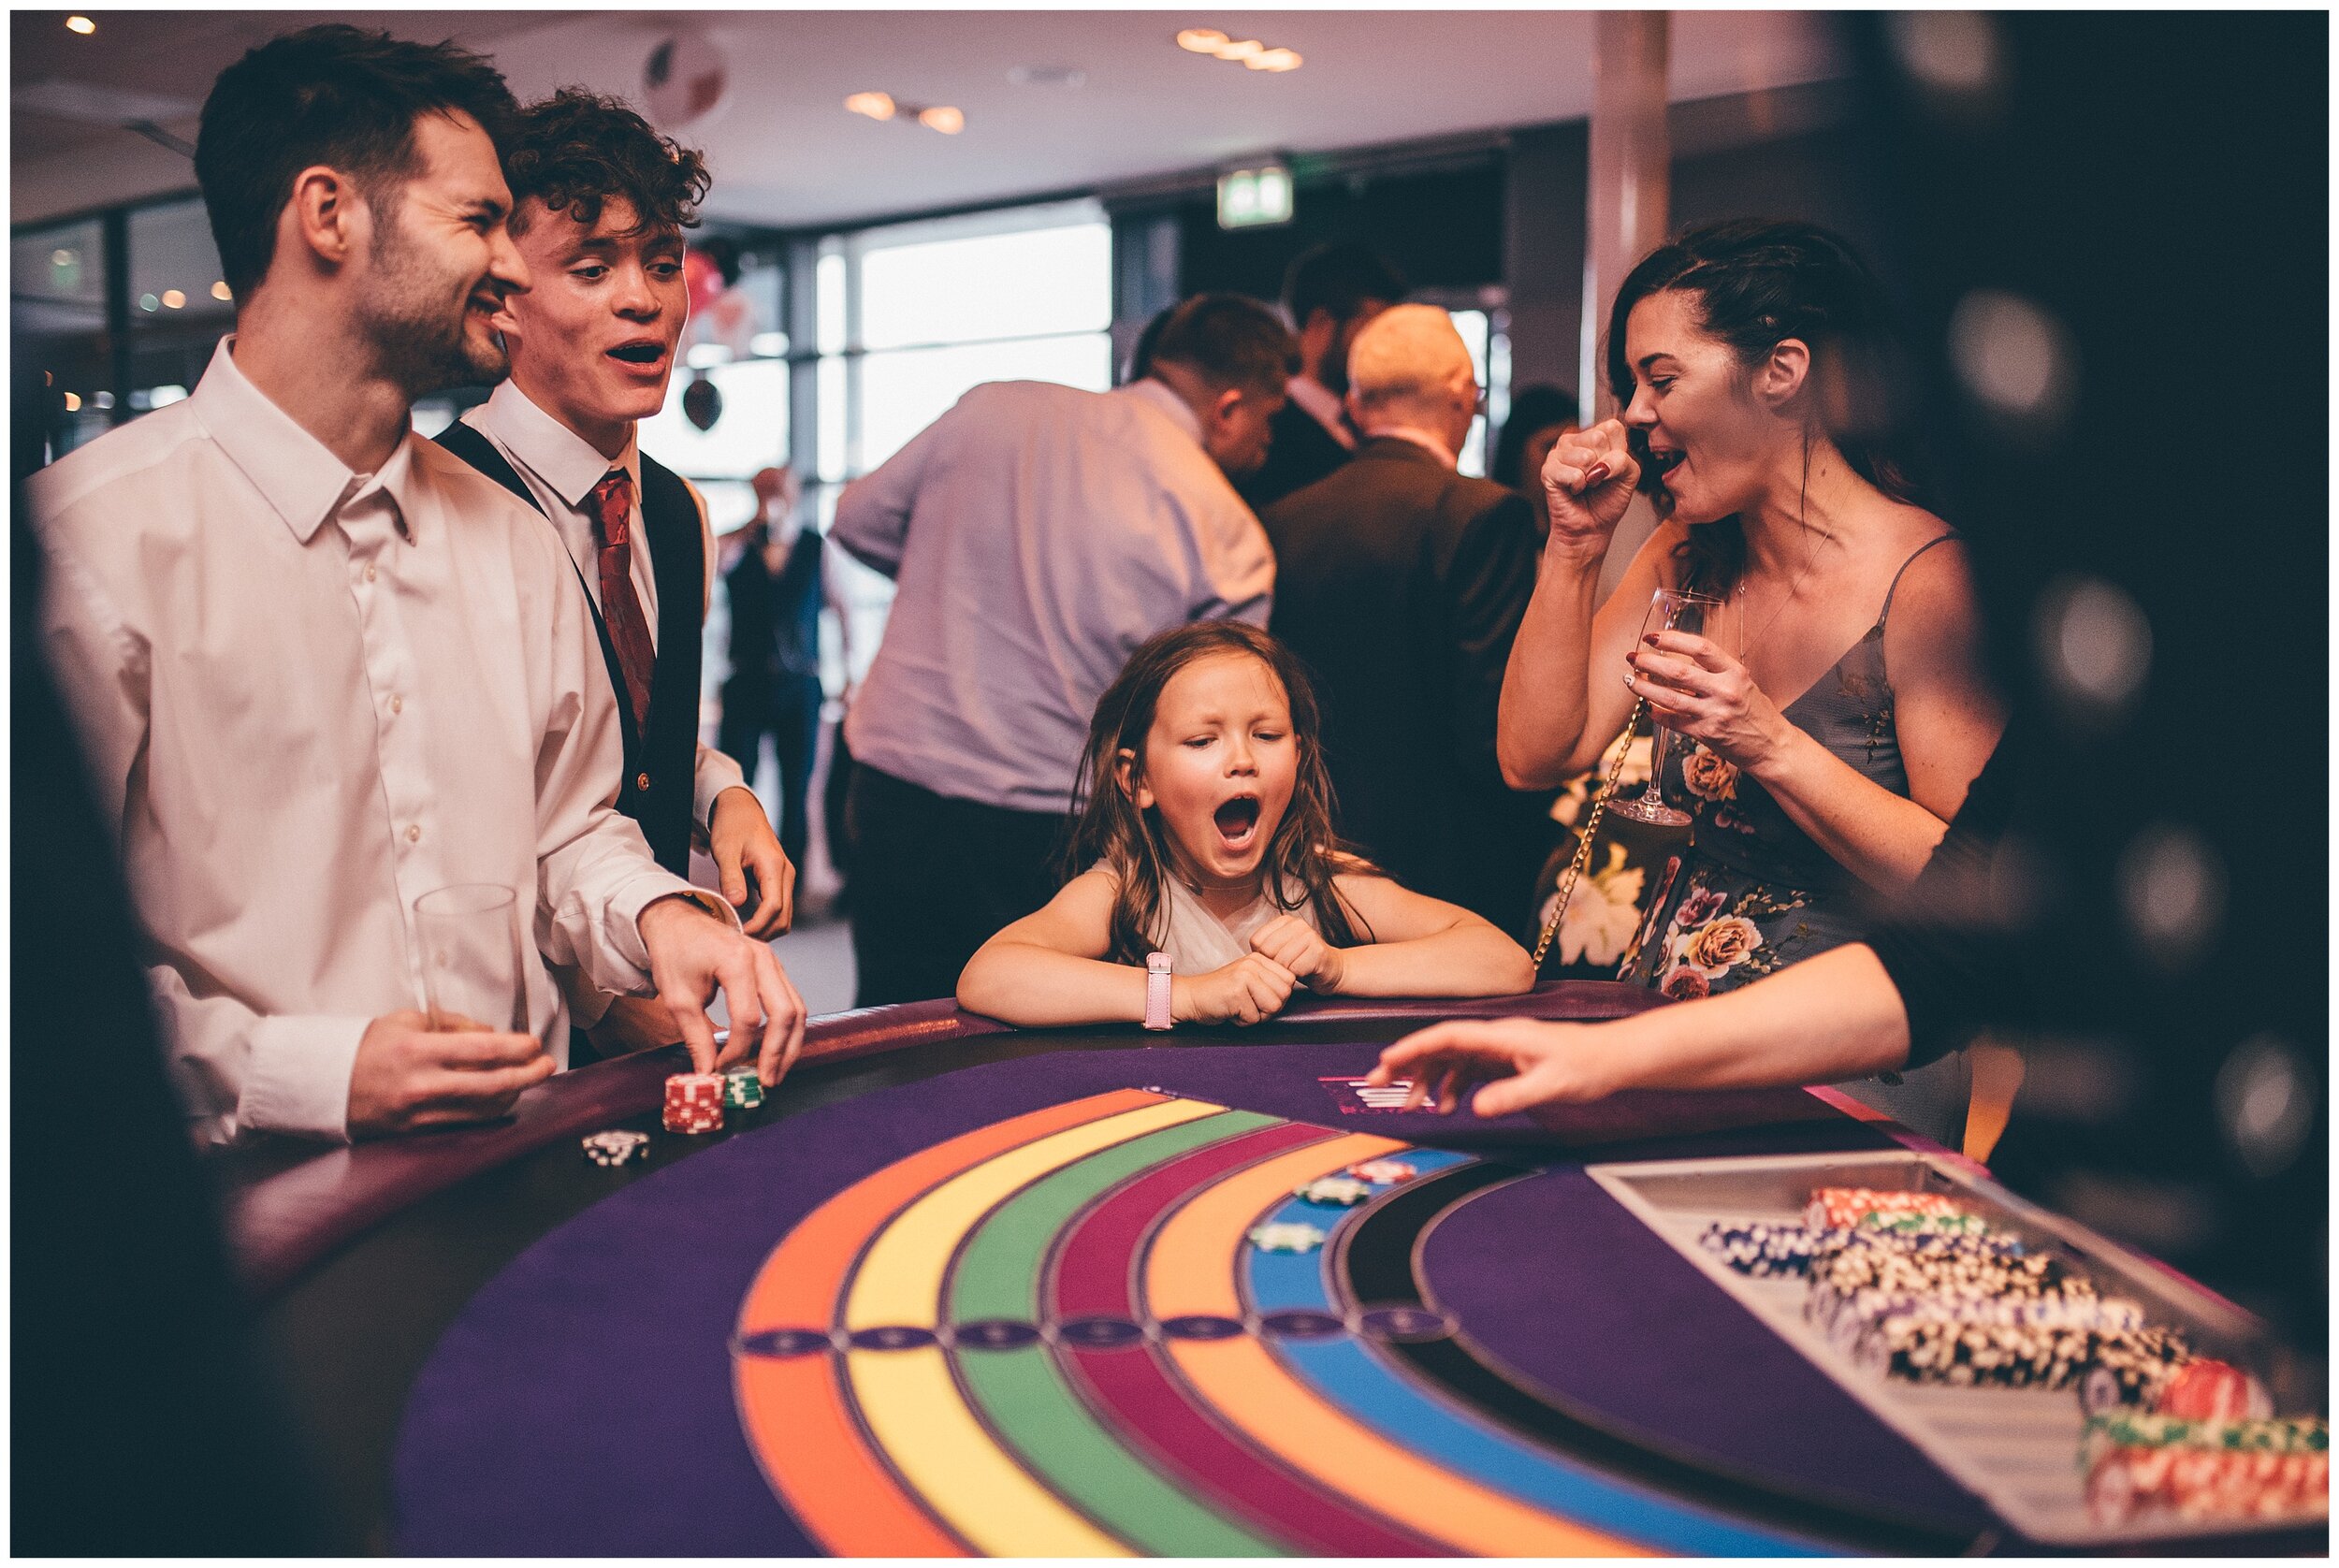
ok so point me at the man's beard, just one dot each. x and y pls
(421, 338)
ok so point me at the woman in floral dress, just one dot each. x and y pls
(1752, 360)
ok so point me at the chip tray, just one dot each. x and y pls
(2016, 1448)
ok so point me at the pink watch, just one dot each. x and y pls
(1156, 991)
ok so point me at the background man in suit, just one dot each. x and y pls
(1330, 294)
(599, 201)
(1402, 584)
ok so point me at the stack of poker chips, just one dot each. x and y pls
(742, 1089)
(1839, 1207)
(615, 1147)
(1763, 1249)
(2211, 1390)
(2168, 1469)
(1851, 1267)
(2043, 1345)
(694, 1102)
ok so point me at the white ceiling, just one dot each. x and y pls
(785, 152)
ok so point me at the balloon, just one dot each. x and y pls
(702, 404)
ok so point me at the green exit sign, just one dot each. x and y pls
(1252, 197)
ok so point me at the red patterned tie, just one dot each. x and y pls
(621, 608)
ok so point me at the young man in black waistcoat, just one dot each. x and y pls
(599, 201)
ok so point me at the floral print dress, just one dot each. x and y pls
(1752, 892)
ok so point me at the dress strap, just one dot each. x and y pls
(1937, 539)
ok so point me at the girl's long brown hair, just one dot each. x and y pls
(1298, 864)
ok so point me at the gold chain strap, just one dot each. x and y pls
(1592, 825)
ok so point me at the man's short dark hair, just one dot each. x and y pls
(1339, 279)
(336, 96)
(1230, 340)
(577, 149)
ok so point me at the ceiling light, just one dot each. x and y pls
(221, 291)
(173, 299)
(1274, 60)
(877, 105)
(80, 25)
(1202, 40)
(73, 403)
(148, 302)
(1241, 49)
(943, 118)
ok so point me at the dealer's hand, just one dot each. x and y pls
(1589, 480)
(741, 840)
(406, 1077)
(1251, 988)
(1521, 1062)
(1296, 945)
(692, 954)
(1694, 689)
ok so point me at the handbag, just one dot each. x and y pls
(1623, 746)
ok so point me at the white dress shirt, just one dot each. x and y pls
(560, 468)
(1038, 533)
(310, 696)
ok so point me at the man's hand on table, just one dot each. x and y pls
(740, 839)
(692, 954)
(406, 1077)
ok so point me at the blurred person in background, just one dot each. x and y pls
(1037, 534)
(1330, 294)
(774, 588)
(1539, 416)
(1399, 582)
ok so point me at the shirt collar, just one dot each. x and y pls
(1421, 438)
(1168, 402)
(294, 472)
(1322, 404)
(565, 461)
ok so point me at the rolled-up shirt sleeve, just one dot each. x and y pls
(595, 873)
(873, 515)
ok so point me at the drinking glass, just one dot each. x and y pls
(471, 958)
(1670, 610)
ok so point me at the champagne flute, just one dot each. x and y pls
(1670, 610)
(472, 964)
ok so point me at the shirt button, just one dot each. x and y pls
(368, 574)
(640, 781)
(398, 704)
(413, 832)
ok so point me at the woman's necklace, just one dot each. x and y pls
(1746, 649)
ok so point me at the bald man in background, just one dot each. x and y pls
(1401, 582)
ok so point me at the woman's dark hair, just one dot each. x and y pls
(1108, 826)
(1757, 283)
(332, 94)
(1532, 409)
(577, 149)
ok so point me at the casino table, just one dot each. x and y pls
(956, 1289)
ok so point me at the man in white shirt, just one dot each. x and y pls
(1038, 534)
(599, 201)
(323, 669)
(1331, 294)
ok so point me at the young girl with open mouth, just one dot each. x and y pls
(1204, 821)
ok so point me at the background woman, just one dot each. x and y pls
(1826, 754)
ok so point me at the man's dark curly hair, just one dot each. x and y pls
(577, 149)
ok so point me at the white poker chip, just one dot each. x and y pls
(1287, 1238)
(1339, 1191)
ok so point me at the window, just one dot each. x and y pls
(913, 316)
